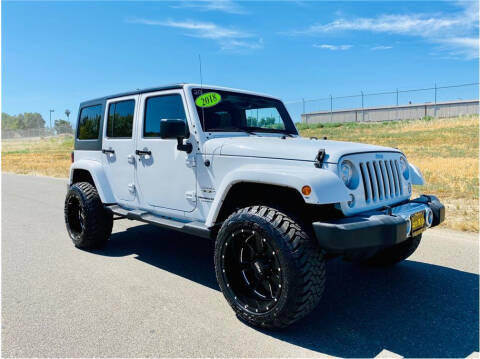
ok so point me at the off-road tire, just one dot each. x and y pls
(301, 261)
(395, 254)
(94, 228)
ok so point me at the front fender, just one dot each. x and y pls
(326, 186)
(99, 178)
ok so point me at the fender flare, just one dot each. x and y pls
(416, 174)
(99, 178)
(326, 186)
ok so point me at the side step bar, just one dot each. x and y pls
(193, 228)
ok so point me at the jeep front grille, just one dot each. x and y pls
(381, 180)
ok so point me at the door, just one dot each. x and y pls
(119, 147)
(166, 176)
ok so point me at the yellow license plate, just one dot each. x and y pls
(418, 222)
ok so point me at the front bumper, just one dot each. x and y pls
(380, 228)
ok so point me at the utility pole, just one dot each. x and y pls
(363, 112)
(331, 108)
(51, 118)
(396, 110)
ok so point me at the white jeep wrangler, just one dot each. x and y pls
(229, 165)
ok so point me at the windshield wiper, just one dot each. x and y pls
(226, 129)
(287, 133)
(272, 130)
(246, 130)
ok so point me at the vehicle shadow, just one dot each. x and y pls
(413, 309)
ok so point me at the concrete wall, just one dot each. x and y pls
(392, 113)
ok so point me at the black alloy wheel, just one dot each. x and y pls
(75, 216)
(252, 270)
(269, 270)
(89, 223)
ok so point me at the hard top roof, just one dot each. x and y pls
(100, 100)
(134, 92)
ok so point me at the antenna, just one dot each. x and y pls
(201, 90)
(201, 77)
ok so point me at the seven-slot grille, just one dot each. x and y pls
(381, 179)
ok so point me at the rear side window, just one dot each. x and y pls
(161, 107)
(89, 122)
(120, 119)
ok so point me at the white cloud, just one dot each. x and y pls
(415, 24)
(332, 47)
(466, 47)
(227, 6)
(455, 32)
(227, 38)
(381, 47)
(233, 44)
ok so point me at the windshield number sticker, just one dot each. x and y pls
(208, 99)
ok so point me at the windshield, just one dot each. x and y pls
(225, 111)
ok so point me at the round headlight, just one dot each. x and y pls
(346, 171)
(404, 167)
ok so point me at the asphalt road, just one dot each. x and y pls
(153, 292)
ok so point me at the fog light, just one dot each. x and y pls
(409, 227)
(429, 217)
(306, 190)
(351, 203)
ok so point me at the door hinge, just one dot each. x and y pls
(190, 161)
(131, 187)
(191, 196)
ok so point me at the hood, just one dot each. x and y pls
(290, 148)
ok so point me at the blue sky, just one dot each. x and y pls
(57, 54)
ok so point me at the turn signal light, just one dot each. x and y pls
(306, 190)
(72, 157)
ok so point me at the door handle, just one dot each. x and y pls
(143, 153)
(108, 151)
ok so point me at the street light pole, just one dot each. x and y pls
(51, 118)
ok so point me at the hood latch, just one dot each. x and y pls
(319, 158)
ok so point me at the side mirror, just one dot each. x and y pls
(173, 128)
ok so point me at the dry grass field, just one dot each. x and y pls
(45, 157)
(446, 150)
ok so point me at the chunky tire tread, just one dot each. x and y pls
(308, 262)
(393, 255)
(98, 219)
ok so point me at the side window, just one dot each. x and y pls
(120, 119)
(161, 107)
(89, 122)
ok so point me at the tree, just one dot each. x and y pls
(23, 121)
(252, 121)
(8, 122)
(62, 126)
(67, 113)
(32, 120)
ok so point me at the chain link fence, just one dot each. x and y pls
(397, 97)
(36, 132)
